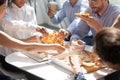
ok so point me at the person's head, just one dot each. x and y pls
(73, 2)
(19, 3)
(98, 6)
(107, 46)
(3, 5)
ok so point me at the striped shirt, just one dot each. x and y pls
(107, 19)
(69, 11)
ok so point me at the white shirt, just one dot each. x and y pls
(19, 22)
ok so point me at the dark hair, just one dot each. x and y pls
(2, 1)
(107, 45)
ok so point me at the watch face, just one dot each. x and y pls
(112, 76)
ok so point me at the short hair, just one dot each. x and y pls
(2, 2)
(107, 45)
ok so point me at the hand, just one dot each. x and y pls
(64, 33)
(31, 39)
(51, 13)
(59, 48)
(78, 45)
(92, 22)
(42, 30)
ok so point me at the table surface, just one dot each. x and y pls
(47, 70)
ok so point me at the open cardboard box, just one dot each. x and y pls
(63, 61)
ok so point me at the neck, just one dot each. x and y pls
(73, 3)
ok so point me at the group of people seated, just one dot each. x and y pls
(19, 28)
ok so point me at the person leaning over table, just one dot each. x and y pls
(102, 14)
(20, 21)
(107, 47)
(70, 7)
(10, 42)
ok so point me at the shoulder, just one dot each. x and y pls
(28, 7)
(114, 10)
(66, 3)
(114, 7)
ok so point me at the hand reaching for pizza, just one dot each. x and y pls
(42, 30)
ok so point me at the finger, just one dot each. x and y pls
(70, 61)
(80, 42)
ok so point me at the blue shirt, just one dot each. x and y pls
(69, 11)
(107, 19)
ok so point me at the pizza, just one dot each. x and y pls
(53, 38)
(82, 14)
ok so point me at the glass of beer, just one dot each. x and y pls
(53, 6)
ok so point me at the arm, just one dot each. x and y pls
(59, 16)
(72, 27)
(80, 31)
(7, 41)
(75, 64)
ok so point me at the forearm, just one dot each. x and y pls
(58, 17)
(13, 43)
(55, 20)
(9, 42)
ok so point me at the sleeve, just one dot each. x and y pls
(60, 15)
(73, 25)
(81, 30)
(79, 76)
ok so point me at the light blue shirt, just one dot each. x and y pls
(68, 12)
(107, 19)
